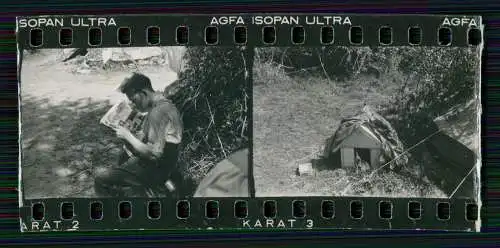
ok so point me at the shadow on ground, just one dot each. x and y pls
(62, 145)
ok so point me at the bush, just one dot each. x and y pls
(440, 79)
(430, 80)
(420, 82)
(337, 63)
(211, 94)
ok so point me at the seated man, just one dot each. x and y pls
(154, 152)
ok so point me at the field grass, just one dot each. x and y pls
(292, 118)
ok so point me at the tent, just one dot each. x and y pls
(228, 178)
(454, 151)
(462, 124)
(365, 137)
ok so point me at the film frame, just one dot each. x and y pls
(261, 212)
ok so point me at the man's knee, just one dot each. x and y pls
(103, 177)
(115, 177)
(106, 182)
(100, 182)
(102, 172)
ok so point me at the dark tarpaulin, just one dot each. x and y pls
(228, 178)
(454, 150)
(461, 123)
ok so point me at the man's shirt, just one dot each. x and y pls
(163, 122)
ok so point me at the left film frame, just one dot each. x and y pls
(54, 159)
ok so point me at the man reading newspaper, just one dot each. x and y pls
(150, 156)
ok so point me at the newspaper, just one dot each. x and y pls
(123, 115)
(117, 116)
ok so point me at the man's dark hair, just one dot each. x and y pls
(135, 83)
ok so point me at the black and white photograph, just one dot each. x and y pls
(134, 122)
(397, 122)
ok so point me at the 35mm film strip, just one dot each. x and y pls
(249, 121)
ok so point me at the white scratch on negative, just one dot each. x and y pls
(479, 157)
(19, 54)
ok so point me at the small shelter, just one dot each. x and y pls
(366, 137)
(362, 144)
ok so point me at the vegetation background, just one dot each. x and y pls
(301, 94)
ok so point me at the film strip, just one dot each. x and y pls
(249, 121)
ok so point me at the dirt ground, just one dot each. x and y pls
(62, 141)
(293, 117)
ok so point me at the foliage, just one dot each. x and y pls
(440, 78)
(337, 63)
(430, 80)
(420, 83)
(212, 97)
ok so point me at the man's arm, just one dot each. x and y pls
(163, 121)
(150, 151)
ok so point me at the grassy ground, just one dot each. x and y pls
(292, 118)
(62, 142)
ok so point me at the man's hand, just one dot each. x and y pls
(123, 133)
(143, 150)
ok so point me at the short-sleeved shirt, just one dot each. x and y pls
(163, 122)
